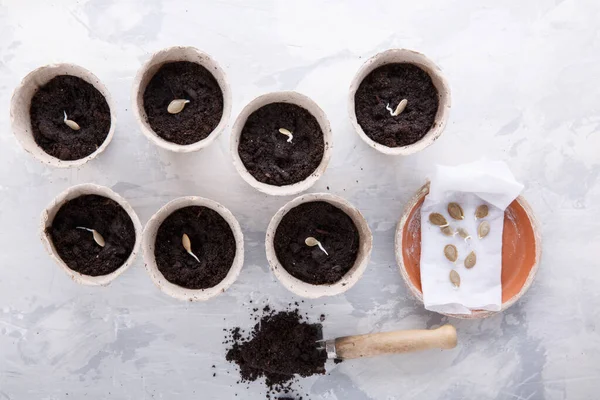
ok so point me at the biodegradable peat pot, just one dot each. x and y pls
(313, 291)
(521, 251)
(149, 246)
(74, 192)
(289, 98)
(395, 56)
(20, 116)
(147, 72)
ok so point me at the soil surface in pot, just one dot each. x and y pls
(211, 239)
(388, 86)
(186, 81)
(332, 227)
(82, 103)
(267, 154)
(77, 247)
(281, 345)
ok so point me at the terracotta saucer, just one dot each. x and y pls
(521, 251)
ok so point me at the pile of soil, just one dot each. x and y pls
(187, 81)
(390, 84)
(83, 104)
(281, 345)
(212, 242)
(268, 156)
(330, 226)
(77, 248)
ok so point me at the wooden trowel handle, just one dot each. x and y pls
(374, 344)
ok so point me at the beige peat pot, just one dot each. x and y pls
(149, 240)
(282, 97)
(394, 56)
(352, 276)
(20, 117)
(81, 190)
(149, 69)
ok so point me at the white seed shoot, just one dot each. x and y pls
(176, 106)
(311, 241)
(187, 245)
(399, 108)
(287, 133)
(95, 234)
(71, 124)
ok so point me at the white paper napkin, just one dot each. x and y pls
(470, 185)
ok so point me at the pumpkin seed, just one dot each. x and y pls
(483, 230)
(71, 124)
(471, 260)
(98, 238)
(176, 106)
(186, 242)
(96, 235)
(311, 241)
(187, 245)
(438, 219)
(482, 211)
(462, 232)
(399, 108)
(456, 211)
(451, 252)
(287, 133)
(455, 278)
(447, 230)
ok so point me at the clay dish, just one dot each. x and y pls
(521, 251)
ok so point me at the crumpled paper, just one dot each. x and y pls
(470, 185)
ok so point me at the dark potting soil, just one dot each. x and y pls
(82, 103)
(388, 85)
(187, 81)
(212, 242)
(268, 156)
(279, 347)
(77, 247)
(330, 226)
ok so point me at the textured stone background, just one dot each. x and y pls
(524, 79)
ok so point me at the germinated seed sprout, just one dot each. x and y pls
(95, 234)
(187, 245)
(462, 232)
(286, 133)
(438, 219)
(456, 211)
(399, 108)
(71, 124)
(311, 241)
(176, 106)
